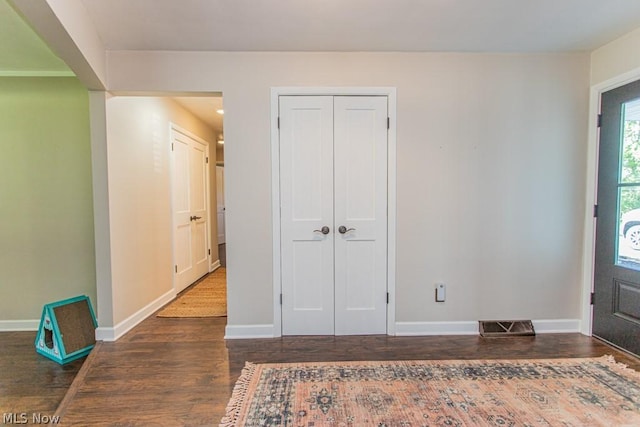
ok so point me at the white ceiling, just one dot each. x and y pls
(205, 109)
(362, 25)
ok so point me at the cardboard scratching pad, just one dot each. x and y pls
(67, 330)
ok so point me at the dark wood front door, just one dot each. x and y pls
(616, 314)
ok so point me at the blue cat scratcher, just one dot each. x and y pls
(67, 330)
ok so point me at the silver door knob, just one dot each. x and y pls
(323, 230)
(342, 229)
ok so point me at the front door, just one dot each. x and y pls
(190, 208)
(616, 312)
(333, 191)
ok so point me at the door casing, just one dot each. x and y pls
(390, 93)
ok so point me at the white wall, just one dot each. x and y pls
(491, 171)
(616, 58)
(139, 183)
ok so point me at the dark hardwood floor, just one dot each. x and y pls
(29, 382)
(174, 372)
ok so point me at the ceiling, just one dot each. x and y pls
(362, 25)
(205, 108)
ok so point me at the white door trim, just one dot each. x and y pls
(390, 93)
(172, 129)
(588, 251)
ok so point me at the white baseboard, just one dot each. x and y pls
(233, 332)
(408, 329)
(214, 266)
(556, 326)
(19, 325)
(115, 332)
(546, 326)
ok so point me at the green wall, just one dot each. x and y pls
(46, 207)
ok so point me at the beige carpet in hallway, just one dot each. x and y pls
(207, 298)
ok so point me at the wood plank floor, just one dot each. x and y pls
(174, 372)
(181, 371)
(29, 382)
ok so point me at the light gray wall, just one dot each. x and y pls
(490, 171)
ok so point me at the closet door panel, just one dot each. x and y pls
(360, 197)
(306, 194)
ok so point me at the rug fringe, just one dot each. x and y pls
(619, 366)
(238, 396)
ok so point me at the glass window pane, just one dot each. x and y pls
(629, 227)
(630, 164)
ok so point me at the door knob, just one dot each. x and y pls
(193, 218)
(342, 229)
(323, 230)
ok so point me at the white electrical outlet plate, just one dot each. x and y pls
(440, 292)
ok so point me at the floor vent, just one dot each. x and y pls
(506, 328)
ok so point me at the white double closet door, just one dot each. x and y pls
(333, 193)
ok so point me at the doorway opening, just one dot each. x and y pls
(154, 141)
(208, 291)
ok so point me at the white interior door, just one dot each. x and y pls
(360, 194)
(190, 204)
(306, 194)
(220, 211)
(333, 172)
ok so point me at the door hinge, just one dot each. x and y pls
(595, 211)
(280, 299)
(209, 251)
(592, 298)
(387, 297)
(176, 268)
(207, 160)
(278, 122)
(600, 120)
(388, 123)
(172, 146)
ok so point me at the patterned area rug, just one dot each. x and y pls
(207, 298)
(542, 392)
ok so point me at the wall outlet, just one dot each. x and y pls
(440, 292)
